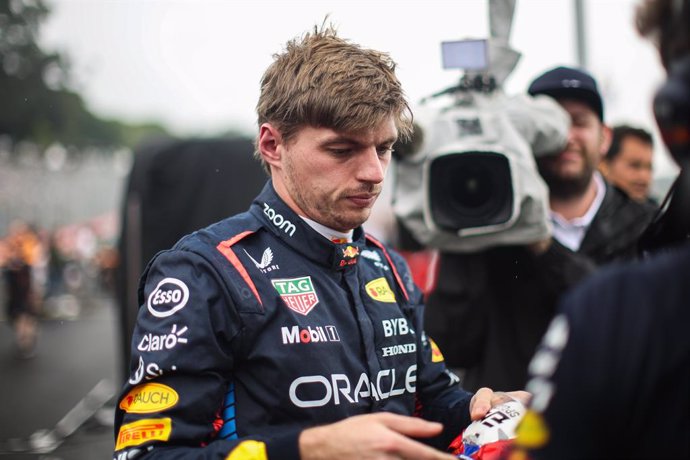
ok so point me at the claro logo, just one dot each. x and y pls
(168, 341)
(170, 296)
(337, 388)
(279, 221)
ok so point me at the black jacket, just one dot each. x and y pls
(490, 309)
(612, 377)
(613, 234)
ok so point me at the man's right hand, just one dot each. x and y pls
(372, 436)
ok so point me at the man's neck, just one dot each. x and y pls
(576, 206)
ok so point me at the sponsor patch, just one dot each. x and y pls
(146, 371)
(339, 389)
(399, 349)
(436, 355)
(266, 264)
(168, 341)
(375, 259)
(314, 334)
(169, 296)
(279, 221)
(297, 293)
(371, 255)
(141, 431)
(396, 326)
(350, 252)
(380, 290)
(148, 398)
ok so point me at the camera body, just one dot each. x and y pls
(471, 180)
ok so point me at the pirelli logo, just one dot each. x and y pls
(141, 431)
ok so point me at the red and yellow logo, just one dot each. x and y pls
(436, 355)
(351, 252)
(148, 398)
(141, 431)
(380, 290)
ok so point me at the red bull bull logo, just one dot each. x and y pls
(351, 252)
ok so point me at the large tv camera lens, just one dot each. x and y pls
(472, 189)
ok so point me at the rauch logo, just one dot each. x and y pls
(148, 398)
(297, 293)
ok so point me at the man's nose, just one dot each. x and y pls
(372, 168)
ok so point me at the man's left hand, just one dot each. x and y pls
(485, 398)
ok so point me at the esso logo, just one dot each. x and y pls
(170, 296)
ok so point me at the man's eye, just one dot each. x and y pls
(340, 152)
(384, 150)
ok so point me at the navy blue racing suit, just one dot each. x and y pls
(258, 327)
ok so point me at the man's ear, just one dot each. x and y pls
(270, 145)
(606, 137)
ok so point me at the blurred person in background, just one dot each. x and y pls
(588, 215)
(611, 378)
(628, 162)
(21, 251)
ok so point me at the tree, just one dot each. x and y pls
(36, 101)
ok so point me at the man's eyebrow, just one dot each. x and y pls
(344, 139)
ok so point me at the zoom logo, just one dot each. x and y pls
(170, 296)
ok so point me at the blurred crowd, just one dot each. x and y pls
(47, 274)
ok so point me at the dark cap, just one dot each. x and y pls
(569, 83)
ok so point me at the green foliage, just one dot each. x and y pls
(37, 104)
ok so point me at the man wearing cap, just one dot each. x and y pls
(589, 216)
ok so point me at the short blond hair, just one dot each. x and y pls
(322, 80)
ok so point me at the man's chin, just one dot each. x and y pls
(354, 219)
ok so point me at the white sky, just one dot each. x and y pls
(195, 65)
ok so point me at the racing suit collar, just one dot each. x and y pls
(285, 224)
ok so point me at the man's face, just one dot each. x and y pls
(569, 173)
(631, 169)
(331, 177)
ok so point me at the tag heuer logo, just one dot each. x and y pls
(297, 293)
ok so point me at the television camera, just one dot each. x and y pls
(468, 179)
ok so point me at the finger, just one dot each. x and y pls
(500, 397)
(410, 426)
(523, 396)
(481, 403)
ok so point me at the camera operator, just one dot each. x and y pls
(612, 375)
(504, 297)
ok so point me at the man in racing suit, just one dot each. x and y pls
(286, 332)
